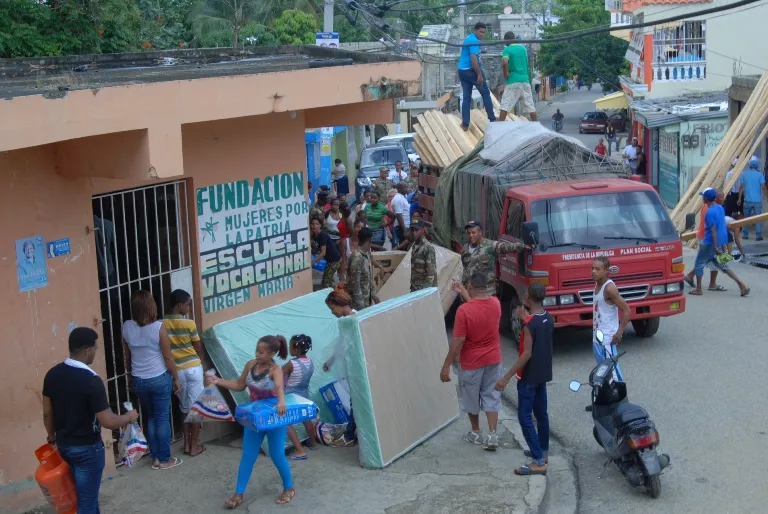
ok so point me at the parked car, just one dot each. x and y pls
(597, 122)
(407, 141)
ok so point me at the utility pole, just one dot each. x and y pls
(328, 16)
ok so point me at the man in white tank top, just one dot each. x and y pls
(610, 314)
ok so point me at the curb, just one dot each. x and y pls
(557, 492)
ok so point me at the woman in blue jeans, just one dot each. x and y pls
(153, 375)
(264, 380)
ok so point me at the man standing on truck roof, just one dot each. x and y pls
(423, 260)
(471, 75)
(610, 314)
(517, 85)
(481, 255)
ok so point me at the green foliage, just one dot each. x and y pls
(294, 27)
(597, 58)
(564, 88)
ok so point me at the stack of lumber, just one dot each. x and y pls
(742, 140)
(440, 140)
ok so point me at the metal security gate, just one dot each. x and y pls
(142, 242)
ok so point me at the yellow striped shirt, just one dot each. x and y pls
(182, 333)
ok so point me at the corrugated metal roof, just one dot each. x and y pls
(655, 120)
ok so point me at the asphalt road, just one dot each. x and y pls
(702, 378)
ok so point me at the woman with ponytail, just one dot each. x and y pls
(264, 379)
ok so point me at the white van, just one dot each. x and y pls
(407, 141)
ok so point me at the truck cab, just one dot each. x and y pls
(570, 223)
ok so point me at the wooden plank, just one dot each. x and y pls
(423, 153)
(426, 145)
(442, 137)
(427, 202)
(468, 135)
(428, 157)
(744, 222)
(428, 181)
(437, 122)
(439, 151)
(479, 119)
(459, 136)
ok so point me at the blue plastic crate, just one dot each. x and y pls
(336, 396)
(262, 414)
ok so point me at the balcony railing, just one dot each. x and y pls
(679, 71)
(619, 19)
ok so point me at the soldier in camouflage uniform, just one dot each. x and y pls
(316, 211)
(360, 275)
(481, 254)
(423, 261)
(382, 185)
(413, 179)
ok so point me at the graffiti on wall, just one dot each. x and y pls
(697, 142)
(253, 238)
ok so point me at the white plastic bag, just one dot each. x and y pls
(133, 444)
(211, 406)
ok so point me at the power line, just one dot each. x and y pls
(709, 50)
(599, 30)
(436, 7)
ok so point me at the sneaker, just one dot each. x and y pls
(745, 237)
(491, 442)
(759, 238)
(474, 437)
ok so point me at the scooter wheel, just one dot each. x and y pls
(653, 486)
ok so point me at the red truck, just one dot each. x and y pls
(573, 213)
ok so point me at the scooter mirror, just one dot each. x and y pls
(599, 337)
(574, 385)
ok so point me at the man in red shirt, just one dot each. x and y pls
(476, 342)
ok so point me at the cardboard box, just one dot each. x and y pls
(262, 414)
(336, 396)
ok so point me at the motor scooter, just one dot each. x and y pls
(622, 429)
(558, 125)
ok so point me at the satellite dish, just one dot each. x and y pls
(508, 10)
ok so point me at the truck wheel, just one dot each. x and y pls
(646, 327)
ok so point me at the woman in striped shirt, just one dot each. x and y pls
(187, 351)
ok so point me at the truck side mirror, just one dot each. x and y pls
(531, 233)
(690, 220)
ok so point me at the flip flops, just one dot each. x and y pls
(745, 292)
(717, 288)
(298, 457)
(528, 454)
(526, 470)
(689, 281)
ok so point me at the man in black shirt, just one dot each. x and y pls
(75, 407)
(534, 369)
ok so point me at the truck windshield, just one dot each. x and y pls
(382, 157)
(602, 218)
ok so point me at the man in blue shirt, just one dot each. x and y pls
(714, 243)
(471, 75)
(752, 183)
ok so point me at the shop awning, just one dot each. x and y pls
(616, 100)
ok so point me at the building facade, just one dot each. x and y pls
(696, 54)
(157, 171)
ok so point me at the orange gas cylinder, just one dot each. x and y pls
(55, 479)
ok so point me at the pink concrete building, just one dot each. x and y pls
(156, 171)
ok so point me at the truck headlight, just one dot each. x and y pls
(567, 299)
(549, 301)
(659, 289)
(674, 287)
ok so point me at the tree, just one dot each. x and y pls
(294, 27)
(218, 16)
(597, 58)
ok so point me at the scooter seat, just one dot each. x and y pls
(627, 413)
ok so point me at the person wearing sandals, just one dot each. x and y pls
(187, 350)
(298, 372)
(533, 369)
(153, 375)
(264, 380)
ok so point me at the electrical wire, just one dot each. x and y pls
(709, 50)
(600, 30)
(436, 7)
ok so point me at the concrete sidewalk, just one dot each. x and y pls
(445, 474)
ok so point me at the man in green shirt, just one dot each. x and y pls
(514, 63)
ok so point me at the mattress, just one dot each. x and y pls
(449, 268)
(393, 354)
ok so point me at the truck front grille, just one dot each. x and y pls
(629, 293)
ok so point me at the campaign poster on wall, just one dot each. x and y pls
(30, 263)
